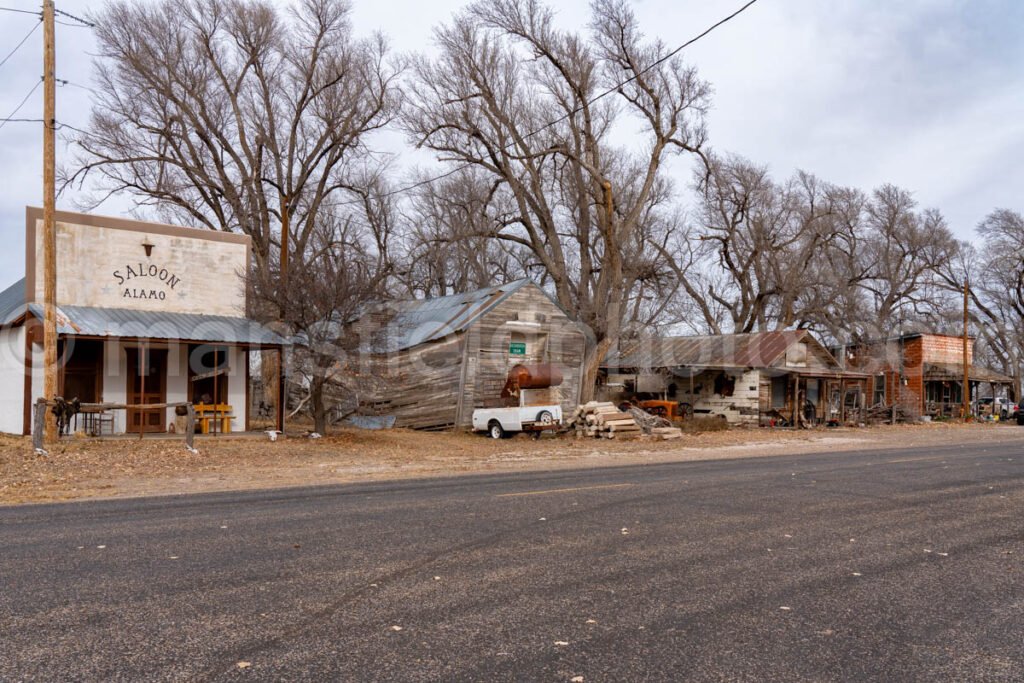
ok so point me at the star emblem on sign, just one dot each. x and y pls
(105, 289)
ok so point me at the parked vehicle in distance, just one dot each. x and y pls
(501, 422)
(1003, 407)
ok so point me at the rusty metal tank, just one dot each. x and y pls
(535, 375)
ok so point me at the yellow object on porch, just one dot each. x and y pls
(206, 413)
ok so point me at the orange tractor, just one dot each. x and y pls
(670, 410)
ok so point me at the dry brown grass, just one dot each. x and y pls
(83, 468)
(701, 425)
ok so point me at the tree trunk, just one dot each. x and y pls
(592, 364)
(269, 364)
(316, 405)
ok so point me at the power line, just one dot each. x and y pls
(84, 22)
(62, 82)
(27, 35)
(22, 104)
(22, 120)
(21, 11)
(580, 108)
(77, 130)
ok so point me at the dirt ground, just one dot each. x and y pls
(88, 468)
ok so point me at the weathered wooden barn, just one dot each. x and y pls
(768, 378)
(428, 363)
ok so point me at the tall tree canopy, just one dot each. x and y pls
(517, 98)
(235, 115)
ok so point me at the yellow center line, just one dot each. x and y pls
(577, 488)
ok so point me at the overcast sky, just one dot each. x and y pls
(927, 94)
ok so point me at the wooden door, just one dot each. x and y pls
(153, 390)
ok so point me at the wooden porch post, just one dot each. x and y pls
(282, 391)
(142, 390)
(216, 394)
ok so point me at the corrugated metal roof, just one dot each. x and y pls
(12, 302)
(122, 322)
(423, 320)
(955, 372)
(753, 350)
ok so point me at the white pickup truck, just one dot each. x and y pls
(501, 422)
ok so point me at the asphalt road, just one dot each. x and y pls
(886, 565)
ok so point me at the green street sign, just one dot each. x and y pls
(517, 349)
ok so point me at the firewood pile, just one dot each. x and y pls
(605, 421)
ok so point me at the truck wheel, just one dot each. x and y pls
(495, 430)
(545, 417)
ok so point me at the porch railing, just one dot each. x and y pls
(42, 408)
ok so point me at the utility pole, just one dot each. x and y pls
(49, 224)
(967, 361)
(282, 386)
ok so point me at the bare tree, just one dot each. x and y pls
(233, 114)
(446, 241)
(514, 96)
(996, 275)
(344, 267)
(902, 251)
(765, 240)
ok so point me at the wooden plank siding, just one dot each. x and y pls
(437, 385)
(488, 352)
(419, 386)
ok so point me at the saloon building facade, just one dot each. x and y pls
(146, 313)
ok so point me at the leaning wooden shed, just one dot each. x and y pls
(430, 362)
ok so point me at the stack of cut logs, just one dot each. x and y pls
(604, 420)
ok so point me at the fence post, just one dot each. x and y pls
(39, 423)
(190, 426)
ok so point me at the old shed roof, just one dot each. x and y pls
(418, 321)
(753, 350)
(12, 302)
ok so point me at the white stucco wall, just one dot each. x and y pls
(12, 379)
(37, 377)
(115, 384)
(236, 387)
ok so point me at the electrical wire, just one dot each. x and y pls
(16, 47)
(22, 104)
(63, 82)
(21, 11)
(85, 24)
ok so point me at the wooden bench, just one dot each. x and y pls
(208, 414)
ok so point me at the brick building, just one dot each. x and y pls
(920, 372)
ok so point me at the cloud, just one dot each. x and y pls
(923, 93)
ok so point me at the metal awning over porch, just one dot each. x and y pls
(944, 372)
(84, 321)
